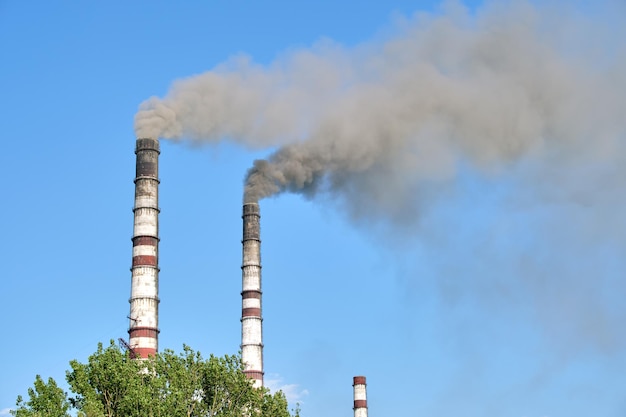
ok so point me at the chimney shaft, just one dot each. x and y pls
(251, 320)
(360, 396)
(144, 296)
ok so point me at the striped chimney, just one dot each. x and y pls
(360, 396)
(251, 321)
(144, 294)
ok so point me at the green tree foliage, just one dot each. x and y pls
(45, 399)
(111, 384)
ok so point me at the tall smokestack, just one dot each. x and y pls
(251, 321)
(144, 296)
(360, 396)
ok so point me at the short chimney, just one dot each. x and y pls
(360, 396)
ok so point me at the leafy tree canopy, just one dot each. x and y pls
(112, 384)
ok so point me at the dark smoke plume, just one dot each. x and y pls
(377, 122)
(535, 93)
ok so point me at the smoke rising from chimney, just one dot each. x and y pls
(378, 128)
(376, 122)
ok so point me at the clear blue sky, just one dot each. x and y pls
(505, 299)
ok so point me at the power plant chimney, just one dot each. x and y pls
(251, 321)
(144, 295)
(360, 396)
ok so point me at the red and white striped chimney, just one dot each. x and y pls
(144, 295)
(251, 320)
(360, 396)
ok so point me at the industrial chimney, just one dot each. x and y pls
(144, 295)
(251, 321)
(360, 396)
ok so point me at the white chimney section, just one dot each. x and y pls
(360, 396)
(251, 320)
(144, 295)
